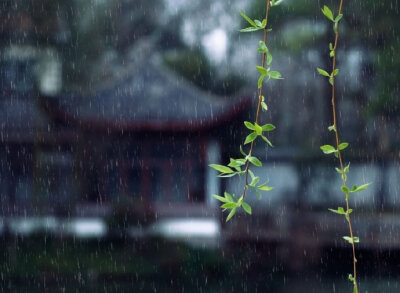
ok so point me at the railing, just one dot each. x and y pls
(297, 209)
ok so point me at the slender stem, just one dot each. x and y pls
(260, 90)
(340, 155)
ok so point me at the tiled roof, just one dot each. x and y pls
(150, 96)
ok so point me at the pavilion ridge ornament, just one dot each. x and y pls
(340, 146)
(241, 166)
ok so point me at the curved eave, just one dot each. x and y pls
(147, 126)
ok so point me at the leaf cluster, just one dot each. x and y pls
(232, 203)
(332, 48)
(329, 14)
(255, 25)
(332, 75)
(329, 149)
(239, 167)
(266, 71)
(235, 165)
(257, 131)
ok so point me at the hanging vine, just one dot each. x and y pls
(340, 146)
(241, 166)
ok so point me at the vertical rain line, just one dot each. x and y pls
(337, 139)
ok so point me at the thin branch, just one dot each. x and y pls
(340, 155)
(260, 90)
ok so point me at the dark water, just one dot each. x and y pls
(43, 264)
(279, 285)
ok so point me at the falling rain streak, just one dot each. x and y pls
(111, 112)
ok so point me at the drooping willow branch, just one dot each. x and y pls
(230, 201)
(339, 146)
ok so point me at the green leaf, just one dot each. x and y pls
(249, 125)
(335, 27)
(343, 145)
(231, 214)
(252, 174)
(254, 181)
(264, 187)
(221, 168)
(323, 72)
(220, 198)
(264, 106)
(264, 23)
(360, 188)
(257, 194)
(255, 161)
(229, 197)
(262, 70)
(235, 163)
(227, 175)
(327, 12)
(269, 59)
(332, 53)
(339, 211)
(348, 239)
(331, 80)
(258, 129)
(249, 29)
(251, 22)
(258, 23)
(328, 149)
(268, 127)
(351, 278)
(229, 205)
(240, 162)
(330, 46)
(246, 207)
(338, 18)
(276, 3)
(262, 48)
(267, 141)
(345, 189)
(336, 72)
(332, 128)
(347, 168)
(252, 136)
(275, 75)
(241, 151)
(260, 81)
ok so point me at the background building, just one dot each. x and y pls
(111, 111)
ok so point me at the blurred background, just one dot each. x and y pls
(111, 111)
